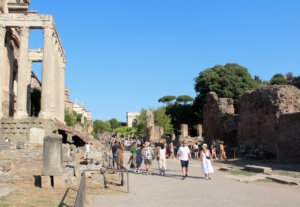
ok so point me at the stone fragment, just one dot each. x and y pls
(52, 155)
(258, 169)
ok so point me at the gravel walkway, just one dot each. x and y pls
(170, 190)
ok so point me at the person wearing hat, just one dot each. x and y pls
(148, 155)
(206, 162)
(184, 154)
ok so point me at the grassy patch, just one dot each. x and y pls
(241, 172)
(287, 173)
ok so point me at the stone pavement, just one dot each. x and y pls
(170, 190)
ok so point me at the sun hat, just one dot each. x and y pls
(204, 145)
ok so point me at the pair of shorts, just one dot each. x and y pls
(184, 163)
(148, 162)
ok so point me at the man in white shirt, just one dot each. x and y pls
(184, 154)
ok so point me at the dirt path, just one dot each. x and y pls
(171, 190)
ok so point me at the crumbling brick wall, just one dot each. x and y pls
(259, 115)
(288, 139)
(220, 122)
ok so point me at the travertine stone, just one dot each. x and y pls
(48, 76)
(36, 135)
(184, 128)
(52, 155)
(23, 75)
(199, 130)
(2, 38)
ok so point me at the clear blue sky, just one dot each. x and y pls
(123, 55)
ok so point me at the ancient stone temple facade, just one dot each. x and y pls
(16, 62)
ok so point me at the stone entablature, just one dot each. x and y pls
(53, 65)
(131, 117)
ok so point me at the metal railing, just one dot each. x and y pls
(116, 167)
(80, 198)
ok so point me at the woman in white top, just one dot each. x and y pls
(206, 161)
(162, 159)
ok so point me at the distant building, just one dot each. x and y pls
(131, 118)
(80, 109)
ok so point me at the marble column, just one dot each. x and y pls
(57, 79)
(2, 42)
(23, 74)
(62, 91)
(48, 76)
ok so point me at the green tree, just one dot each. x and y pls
(70, 118)
(101, 126)
(278, 79)
(289, 76)
(167, 99)
(126, 131)
(114, 123)
(230, 81)
(185, 99)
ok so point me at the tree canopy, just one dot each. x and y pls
(166, 99)
(278, 79)
(185, 99)
(230, 81)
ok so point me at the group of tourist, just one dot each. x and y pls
(140, 153)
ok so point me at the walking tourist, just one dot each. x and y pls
(222, 152)
(120, 151)
(196, 150)
(133, 154)
(114, 152)
(206, 162)
(184, 154)
(162, 159)
(148, 156)
(139, 158)
(171, 150)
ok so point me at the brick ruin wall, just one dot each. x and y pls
(288, 139)
(259, 115)
(220, 122)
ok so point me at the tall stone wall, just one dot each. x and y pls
(288, 138)
(220, 122)
(259, 115)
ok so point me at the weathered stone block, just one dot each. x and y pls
(20, 145)
(184, 129)
(36, 136)
(59, 181)
(258, 169)
(52, 155)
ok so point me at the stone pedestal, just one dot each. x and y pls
(52, 155)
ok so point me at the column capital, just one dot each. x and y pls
(24, 32)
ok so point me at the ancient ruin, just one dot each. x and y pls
(153, 133)
(131, 117)
(17, 78)
(260, 122)
(220, 122)
(184, 130)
